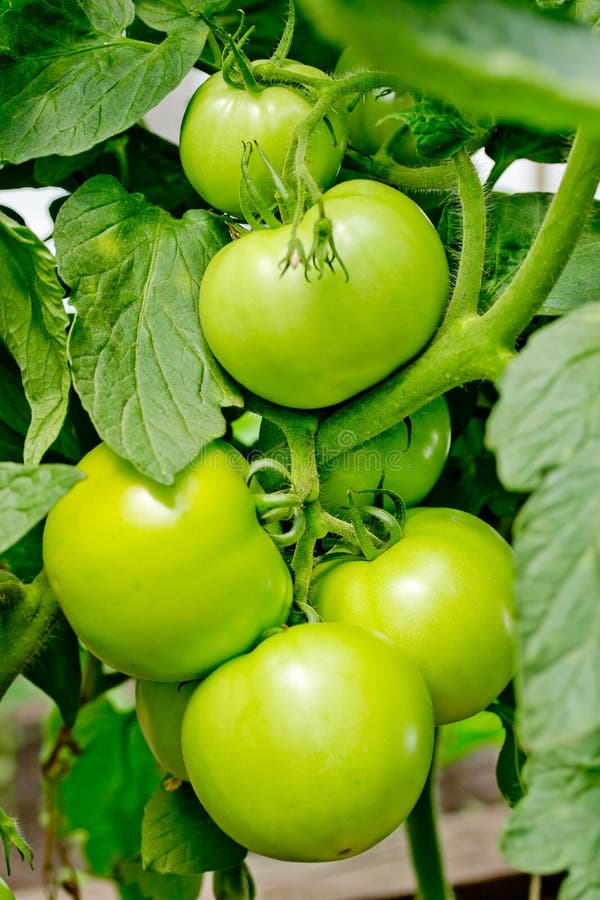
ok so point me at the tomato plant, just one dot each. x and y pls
(311, 712)
(118, 545)
(255, 320)
(137, 321)
(221, 117)
(160, 707)
(5, 891)
(444, 594)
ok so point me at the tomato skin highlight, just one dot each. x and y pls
(325, 747)
(164, 582)
(444, 594)
(219, 118)
(313, 343)
(160, 707)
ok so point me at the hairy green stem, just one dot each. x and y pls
(440, 177)
(470, 271)
(424, 845)
(553, 245)
(303, 561)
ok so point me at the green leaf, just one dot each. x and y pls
(178, 836)
(508, 143)
(556, 826)
(234, 884)
(459, 739)
(140, 160)
(140, 363)
(56, 669)
(439, 130)
(549, 409)
(167, 15)
(108, 785)
(546, 432)
(26, 495)
(508, 61)
(513, 224)
(136, 882)
(33, 325)
(511, 759)
(70, 78)
(12, 837)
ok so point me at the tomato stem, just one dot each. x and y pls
(421, 828)
(440, 177)
(465, 296)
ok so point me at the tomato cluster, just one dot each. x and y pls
(311, 742)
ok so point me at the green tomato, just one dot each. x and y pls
(219, 118)
(309, 343)
(160, 707)
(372, 118)
(408, 459)
(165, 582)
(444, 594)
(5, 891)
(314, 746)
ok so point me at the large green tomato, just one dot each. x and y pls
(444, 594)
(309, 343)
(160, 707)
(314, 746)
(220, 118)
(165, 582)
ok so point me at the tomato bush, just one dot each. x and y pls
(164, 582)
(444, 594)
(220, 118)
(334, 311)
(160, 707)
(255, 320)
(325, 748)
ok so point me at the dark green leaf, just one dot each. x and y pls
(140, 362)
(24, 559)
(513, 224)
(511, 759)
(178, 836)
(12, 837)
(439, 130)
(70, 78)
(234, 884)
(108, 785)
(56, 669)
(505, 60)
(588, 11)
(508, 143)
(168, 15)
(26, 495)
(136, 882)
(33, 325)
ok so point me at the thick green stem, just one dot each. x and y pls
(303, 561)
(468, 280)
(424, 844)
(440, 177)
(553, 245)
(465, 350)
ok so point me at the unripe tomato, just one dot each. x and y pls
(408, 458)
(160, 707)
(371, 117)
(164, 582)
(444, 594)
(314, 746)
(309, 343)
(220, 118)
